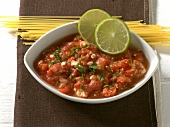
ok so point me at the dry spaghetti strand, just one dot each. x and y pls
(31, 28)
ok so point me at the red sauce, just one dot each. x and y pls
(77, 68)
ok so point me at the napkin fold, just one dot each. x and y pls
(35, 106)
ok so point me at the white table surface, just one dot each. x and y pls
(160, 15)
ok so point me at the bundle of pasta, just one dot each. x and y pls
(30, 28)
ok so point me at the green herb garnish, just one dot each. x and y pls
(132, 64)
(101, 78)
(71, 77)
(83, 58)
(73, 50)
(51, 63)
(107, 85)
(94, 67)
(116, 74)
(82, 76)
(86, 46)
(82, 88)
(81, 69)
(56, 54)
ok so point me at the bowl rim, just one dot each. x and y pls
(83, 100)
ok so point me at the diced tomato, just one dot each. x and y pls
(50, 72)
(123, 79)
(130, 72)
(64, 90)
(75, 72)
(85, 51)
(44, 67)
(109, 91)
(65, 55)
(107, 78)
(69, 46)
(72, 58)
(114, 67)
(139, 68)
(101, 62)
(125, 64)
(55, 67)
(95, 85)
(78, 83)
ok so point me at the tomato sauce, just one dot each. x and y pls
(77, 68)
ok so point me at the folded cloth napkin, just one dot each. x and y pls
(37, 107)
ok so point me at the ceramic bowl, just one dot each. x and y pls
(71, 28)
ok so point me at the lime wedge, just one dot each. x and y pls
(88, 22)
(112, 36)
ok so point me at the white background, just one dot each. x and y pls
(8, 64)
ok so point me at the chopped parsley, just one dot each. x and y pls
(82, 88)
(101, 78)
(81, 69)
(108, 85)
(73, 50)
(51, 63)
(94, 67)
(86, 46)
(132, 64)
(116, 74)
(71, 77)
(82, 76)
(83, 58)
(56, 54)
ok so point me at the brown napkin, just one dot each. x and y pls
(37, 107)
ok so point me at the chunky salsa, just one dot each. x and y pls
(79, 69)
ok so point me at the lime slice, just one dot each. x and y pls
(112, 36)
(88, 22)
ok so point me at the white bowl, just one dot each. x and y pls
(71, 28)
